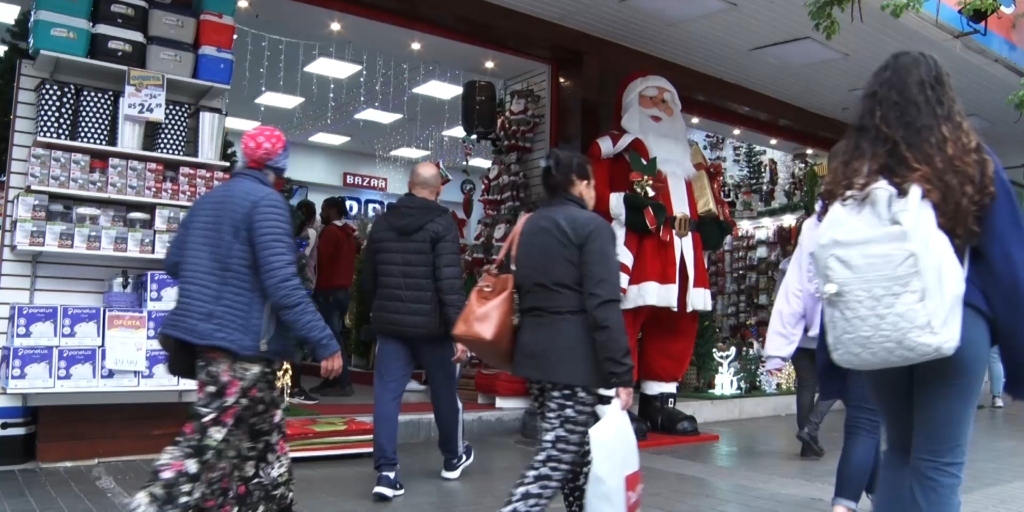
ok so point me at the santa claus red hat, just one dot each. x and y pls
(636, 82)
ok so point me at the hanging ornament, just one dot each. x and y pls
(468, 188)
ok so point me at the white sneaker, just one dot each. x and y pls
(997, 402)
(415, 386)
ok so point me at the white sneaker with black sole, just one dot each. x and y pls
(387, 488)
(453, 468)
(997, 402)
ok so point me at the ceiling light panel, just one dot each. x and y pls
(237, 123)
(276, 99)
(378, 116)
(329, 138)
(479, 162)
(672, 12)
(333, 68)
(457, 132)
(9, 13)
(798, 52)
(410, 153)
(439, 89)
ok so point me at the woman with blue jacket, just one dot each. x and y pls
(911, 129)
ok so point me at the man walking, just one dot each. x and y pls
(337, 248)
(413, 279)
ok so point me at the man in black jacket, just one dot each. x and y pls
(412, 276)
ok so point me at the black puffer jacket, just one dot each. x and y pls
(412, 272)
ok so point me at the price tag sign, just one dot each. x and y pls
(125, 339)
(145, 95)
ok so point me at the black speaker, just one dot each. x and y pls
(479, 108)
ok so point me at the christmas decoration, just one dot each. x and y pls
(726, 383)
(749, 371)
(752, 177)
(767, 380)
(786, 378)
(703, 359)
(16, 41)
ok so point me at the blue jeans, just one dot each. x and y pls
(392, 370)
(928, 410)
(995, 372)
(333, 306)
(862, 439)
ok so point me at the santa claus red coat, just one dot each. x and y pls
(663, 277)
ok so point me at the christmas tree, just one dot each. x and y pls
(752, 171)
(16, 41)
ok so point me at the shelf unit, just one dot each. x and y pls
(40, 251)
(133, 154)
(96, 196)
(93, 73)
(95, 396)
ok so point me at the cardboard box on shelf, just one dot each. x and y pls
(77, 367)
(117, 176)
(33, 325)
(38, 176)
(88, 237)
(60, 160)
(98, 176)
(60, 235)
(154, 321)
(115, 215)
(166, 218)
(80, 326)
(158, 290)
(27, 367)
(161, 242)
(25, 206)
(158, 371)
(115, 378)
(39, 157)
(80, 162)
(38, 236)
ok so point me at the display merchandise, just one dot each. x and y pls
(648, 194)
(52, 347)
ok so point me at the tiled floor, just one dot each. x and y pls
(754, 468)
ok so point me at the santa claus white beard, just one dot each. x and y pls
(667, 142)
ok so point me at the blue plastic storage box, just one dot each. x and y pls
(59, 33)
(225, 7)
(214, 65)
(81, 9)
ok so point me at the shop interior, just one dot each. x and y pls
(360, 102)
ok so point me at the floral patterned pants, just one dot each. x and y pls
(231, 454)
(562, 461)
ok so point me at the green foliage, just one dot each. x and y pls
(358, 317)
(749, 374)
(16, 40)
(703, 358)
(826, 21)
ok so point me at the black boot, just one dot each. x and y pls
(659, 411)
(640, 427)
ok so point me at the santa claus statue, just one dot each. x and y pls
(652, 187)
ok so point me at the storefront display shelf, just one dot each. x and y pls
(42, 251)
(96, 196)
(94, 396)
(68, 68)
(133, 154)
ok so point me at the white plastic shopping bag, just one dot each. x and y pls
(614, 484)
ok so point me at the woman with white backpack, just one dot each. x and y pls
(921, 271)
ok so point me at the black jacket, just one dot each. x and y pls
(571, 329)
(412, 273)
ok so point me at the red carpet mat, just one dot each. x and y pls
(367, 409)
(655, 440)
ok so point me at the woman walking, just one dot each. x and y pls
(912, 130)
(308, 231)
(234, 260)
(996, 379)
(572, 338)
(793, 335)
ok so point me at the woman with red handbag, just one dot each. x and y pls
(571, 341)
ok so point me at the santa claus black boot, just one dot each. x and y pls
(659, 411)
(640, 427)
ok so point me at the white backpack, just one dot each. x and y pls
(891, 283)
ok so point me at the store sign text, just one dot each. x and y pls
(357, 206)
(365, 182)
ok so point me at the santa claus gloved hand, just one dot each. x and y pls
(713, 231)
(643, 215)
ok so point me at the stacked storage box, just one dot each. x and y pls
(60, 26)
(119, 32)
(215, 62)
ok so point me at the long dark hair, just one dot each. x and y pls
(911, 129)
(561, 169)
(307, 215)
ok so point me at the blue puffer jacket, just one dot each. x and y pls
(235, 262)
